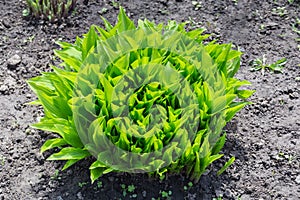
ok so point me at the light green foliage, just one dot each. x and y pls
(209, 71)
(261, 64)
(49, 9)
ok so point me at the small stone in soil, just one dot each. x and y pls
(298, 179)
(14, 61)
(79, 195)
(144, 193)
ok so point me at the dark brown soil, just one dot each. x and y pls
(264, 137)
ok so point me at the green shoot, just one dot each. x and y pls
(261, 64)
(227, 164)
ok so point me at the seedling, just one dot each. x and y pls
(115, 4)
(166, 195)
(81, 184)
(2, 160)
(262, 27)
(99, 184)
(164, 11)
(194, 24)
(261, 64)
(220, 197)
(190, 184)
(123, 186)
(227, 164)
(283, 156)
(295, 26)
(131, 188)
(197, 5)
(29, 39)
(49, 9)
(235, 1)
(103, 11)
(55, 175)
(281, 11)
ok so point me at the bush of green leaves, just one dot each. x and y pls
(49, 9)
(80, 106)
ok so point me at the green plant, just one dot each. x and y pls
(261, 64)
(55, 175)
(235, 2)
(131, 188)
(99, 184)
(190, 184)
(81, 184)
(296, 25)
(227, 164)
(146, 98)
(2, 160)
(197, 5)
(218, 198)
(281, 11)
(114, 4)
(49, 9)
(124, 192)
(166, 195)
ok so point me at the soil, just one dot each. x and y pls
(264, 137)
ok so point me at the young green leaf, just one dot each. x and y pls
(227, 164)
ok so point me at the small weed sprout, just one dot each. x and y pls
(81, 184)
(281, 11)
(166, 195)
(99, 184)
(131, 188)
(2, 160)
(197, 5)
(190, 184)
(55, 175)
(261, 64)
(49, 9)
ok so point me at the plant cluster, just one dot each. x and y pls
(49, 9)
(130, 95)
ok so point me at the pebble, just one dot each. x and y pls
(144, 193)
(111, 179)
(245, 197)
(13, 61)
(3, 88)
(79, 196)
(6, 24)
(228, 193)
(219, 193)
(59, 198)
(297, 179)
